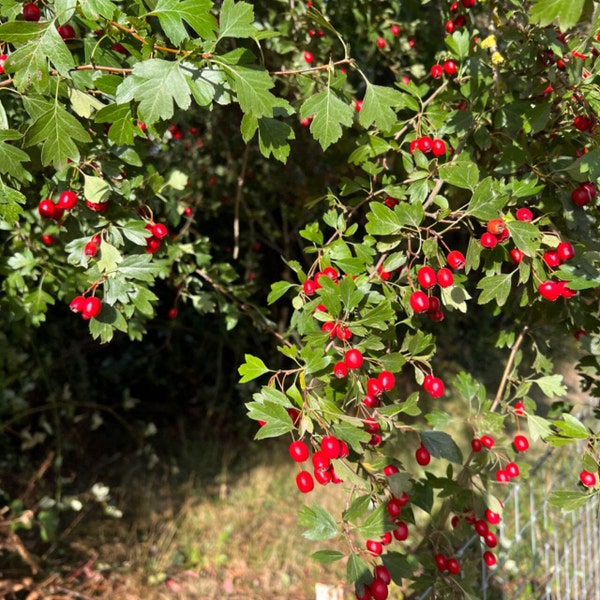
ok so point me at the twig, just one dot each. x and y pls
(238, 199)
(344, 61)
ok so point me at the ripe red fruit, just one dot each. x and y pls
(48, 239)
(489, 558)
(551, 258)
(491, 541)
(441, 562)
(90, 249)
(330, 446)
(381, 42)
(323, 476)
(98, 207)
(460, 21)
(387, 380)
(371, 402)
(516, 255)
(502, 476)
(476, 445)
(374, 547)
(394, 508)
(493, 518)
(453, 566)
(468, 3)
(298, 451)
(329, 327)
(389, 470)
(426, 277)
(445, 278)
(450, 67)
(519, 408)
(549, 290)
(419, 302)
(386, 538)
(456, 259)
(77, 303)
(435, 387)
(159, 231)
(382, 572)
(583, 123)
(587, 478)
(584, 194)
(309, 287)
(66, 32)
(320, 461)
(488, 441)
(512, 469)
(172, 313)
(481, 527)
(305, 482)
(374, 388)
(366, 595)
(437, 71)
(496, 226)
(565, 251)
(395, 29)
(67, 200)
(353, 358)
(91, 307)
(424, 144)
(340, 370)
(454, 7)
(31, 12)
(521, 443)
(524, 214)
(450, 26)
(3, 58)
(343, 332)
(488, 240)
(564, 290)
(379, 589)
(422, 455)
(152, 245)
(47, 209)
(438, 147)
(401, 532)
(309, 58)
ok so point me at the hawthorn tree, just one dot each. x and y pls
(440, 162)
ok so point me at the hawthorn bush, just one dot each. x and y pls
(357, 180)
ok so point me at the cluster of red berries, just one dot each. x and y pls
(323, 471)
(159, 232)
(584, 194)
(449, 68)
(428, 145)
(48, 209)
(91, 247)
(89, 306)
(310, 286)
(496, 233)
(378, 588)
(458, 20)
(583, 123)
(481, 527)
(520, 444)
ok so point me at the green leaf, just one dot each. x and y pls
(92, 9)
(495, 287)
(410, 215)
(486, 202)
(570, 428)
(538, 427)
(329, 113)
(398, 565)
(278, 289)
(140, 267)
(11, 157)
(382, 220)
(103, 326)
(353, 436)
(273, 136)
(357, 509)
(142, 299)
(441, 445)
(378, 107)
(236, 20)
(109, 259)
(327, 556)
(95, 189)
(526, 236)
(357, 570)
(56, 132)
(463, 174)
(552, 385)
(278, 421)
(566, 12)
(376, 524)
(568, 501)
(157, 85)
(196, 13)
(10, 203)
(252, 368)
(319, 523)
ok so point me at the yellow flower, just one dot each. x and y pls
(497, 58)
(489, 42)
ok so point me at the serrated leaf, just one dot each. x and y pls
(142, 299)
(486, 203)
(538, 427)
(96, 189)
(157, 85)
(278, 289)
(104, 325)
(252, 368)
(551, 385)
(278, 421)
(526, 236)
(84, 105)
(410, 215)
(378, 107)
(121, 130)
(56, 132)
(196, 13)
(357, 570)
(109, 259)
(398, 565)
(571, 427)
(273, 136)
(568, 501)
(10, 203)
(357, 509)
(327, 556)
(441, 445)
(329, 114)
(319, 523)
(376, 524)
(140, 267)
(565, 12)
(382, 220)
(495, 287)
(463, 174)
(92, 9)
(11, 157)
(236, 20)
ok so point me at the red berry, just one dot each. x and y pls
(516, 255)
(453, 566)
(382, 572)
(381, 42)
(476, 445)
(450, 26)
(414, 144)
(438, 147)
(489, 558)
(565, 251)
(47, 209)
(502, 476)
(491, 541)
(353, 358)
(374, 547)
(374, 387)
(445, 278)
(422, 455)
(343, 332)
(91, 249)
(329, 327)
(91, 307)
(320, 461)
(419, 301)
(492, 517)
(66, 32)
(454, 7)
(305, 482)
(524, 214)
(394, 508)
(379, 589)
(390, 470)
(583, 123)
(564, 290)
(309, 287)
(395, 29)
(441, 561)
(31, 12)
(340, 370)
(488, 240)
(366, 595)
(450, 67)
(584, 194)
(48, 239)
(159, 231)
(456, 259)
(67, 200)
(587, 478)
(386, 538)
(521, 443)
(435, 387)
(298, 451)
(309, 58)
(481, 527)
(437, 71)
(371, 401)
(77, 303)
(468, 3)
(3, 58)
(401, 531)
(460, 21)
(323, 476)
(519, 408)
(330, 446)
(387, 380)
(551, 258)
(424, 144)
(488, 441)
(404, 499)
(173, 312)
(549, 290)
(496, 226)
(98, 207)
(152, 245)
(512, 469)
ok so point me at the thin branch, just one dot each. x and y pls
(238, 199)
(344, 61)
